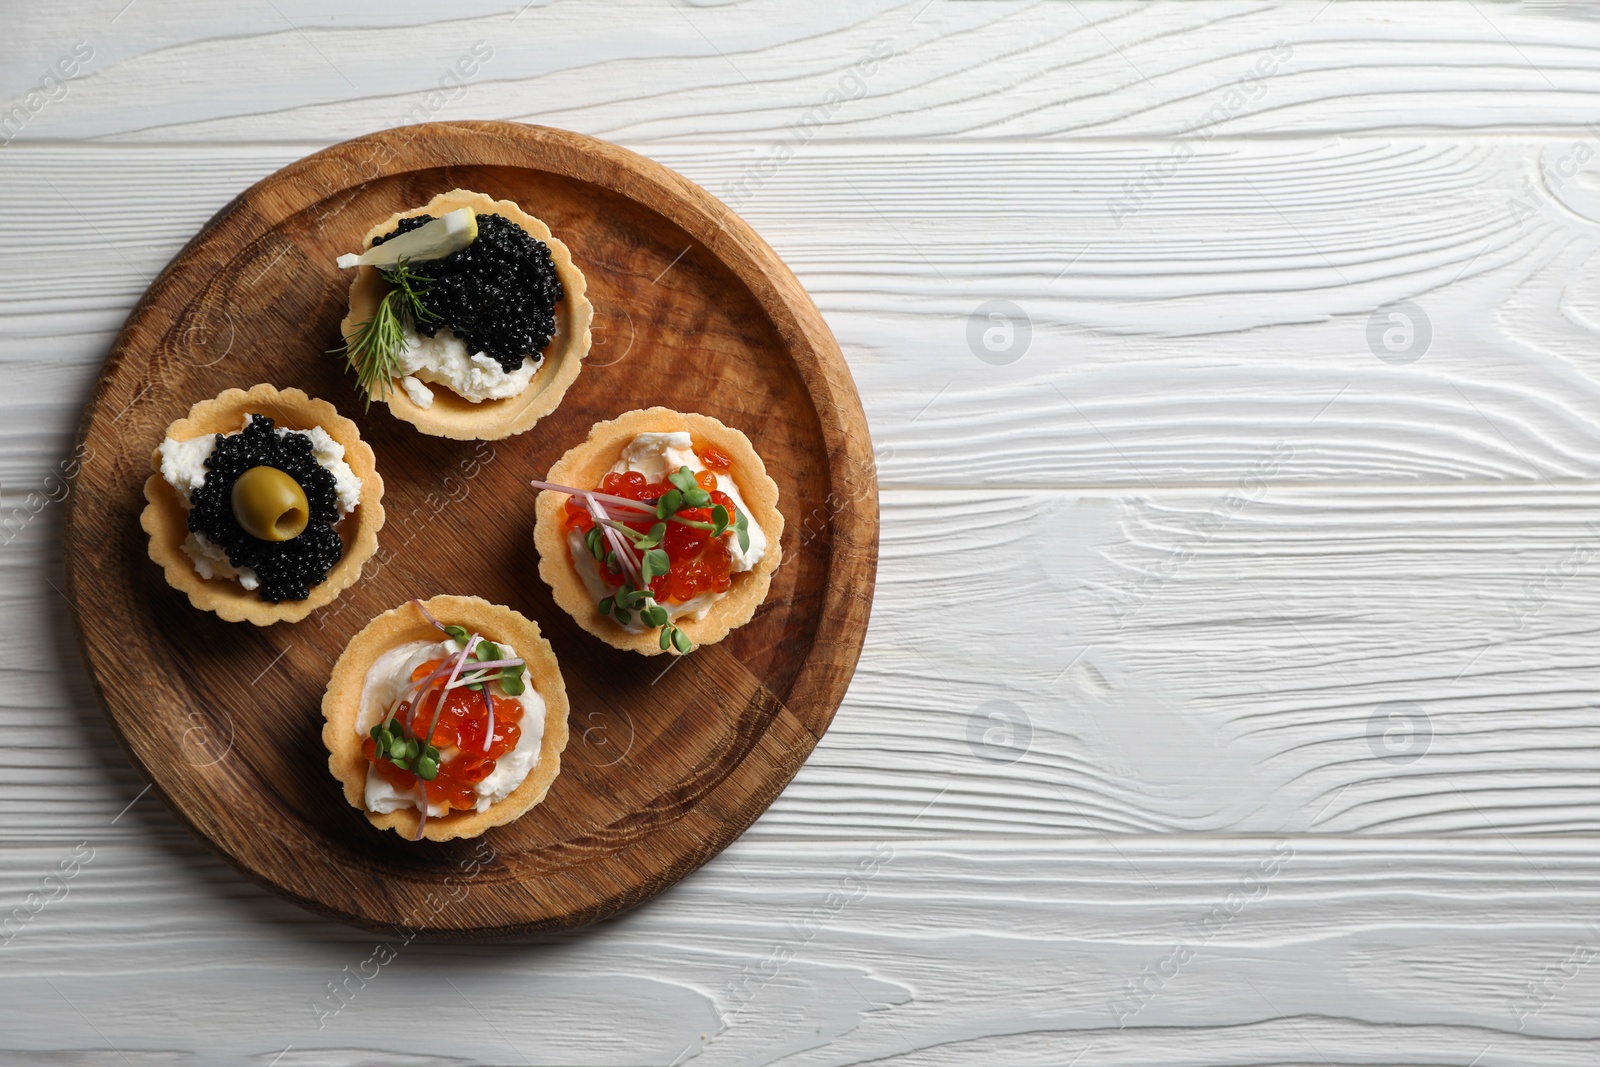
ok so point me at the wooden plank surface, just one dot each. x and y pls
(856, 951)
(1184, 680)
(1230, 314)
(1265, 578)
(747, 73)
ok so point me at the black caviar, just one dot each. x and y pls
(287, 569)
(498, 294)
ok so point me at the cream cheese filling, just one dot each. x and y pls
(183, 465)
(443, 359)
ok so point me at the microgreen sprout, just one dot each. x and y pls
(639, 555)
(474, 665)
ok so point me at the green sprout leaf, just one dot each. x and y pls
(681, 642)
(683, 478)
(742, 528)
(719, 521)
(512, 684)
(458, 634)
(666, 638)
(653, 538)
(486, 651)
(697, 498)
(639, 540)
(654, 563)
(669, 503)
(655, 615)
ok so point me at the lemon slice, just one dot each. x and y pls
(450, 232)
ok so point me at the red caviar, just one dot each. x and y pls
(698, 562)
(459, 735)
(713, 457)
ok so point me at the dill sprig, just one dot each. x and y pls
(373, 348)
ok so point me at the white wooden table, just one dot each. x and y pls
(1229, 696)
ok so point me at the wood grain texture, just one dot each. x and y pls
(748, 73)
(1404, 143)
(1175, 350)
(1192, 675)
(960, 953)
(721, 326)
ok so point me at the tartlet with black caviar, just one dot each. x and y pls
(263, 505)
(467, 317)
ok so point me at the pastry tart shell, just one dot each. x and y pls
(452, 415)
(587, 463)
(166, 517)
(341, 708)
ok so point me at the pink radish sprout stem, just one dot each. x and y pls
(422, 808)
(438, 705)
(437, 624)
(609, 498)
(488, 735)
(471, 678)
(624, 551)
(494, 664)
(411, 690)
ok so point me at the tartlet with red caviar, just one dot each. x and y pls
(467, 317)
(263, 506)
(660, 531)
(445, 718)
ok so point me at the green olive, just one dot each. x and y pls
(270, 505)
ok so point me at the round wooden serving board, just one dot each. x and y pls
(669, 761)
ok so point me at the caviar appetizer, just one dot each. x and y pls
(445, 718)
(466, 317)
(660, 531)
(263, 506)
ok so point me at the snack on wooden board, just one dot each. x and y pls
(467, 317)
(263, 506)
(660, 531)
(445, 718)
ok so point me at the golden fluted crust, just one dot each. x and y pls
(584, 465)
(341, 707)
(166, 518)
(451, 415)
